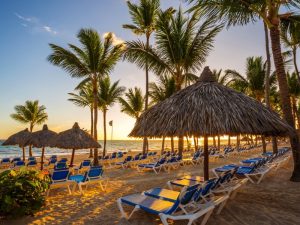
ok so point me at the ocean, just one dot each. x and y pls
(112, 146)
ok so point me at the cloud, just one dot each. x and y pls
(49, 30)
(116, 40)
(34, 24)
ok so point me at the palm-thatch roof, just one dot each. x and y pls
(207, 108)
(21, 138)
(42, 138)
(74, 138)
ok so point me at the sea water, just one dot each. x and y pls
(112, 146)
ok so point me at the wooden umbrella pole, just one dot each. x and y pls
(72, 157)
(206, 159)
(42, 158)
(23, 149)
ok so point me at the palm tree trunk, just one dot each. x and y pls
(267, 81)
(145, 143)
(256, 140)
(285, 98)
(30, 146)
(238, 141)
(104, 131)
(163, 145)
(229, 140)
(294, 108)
(219, 142)
(95, 105)
(92, 130)
(172, 144)
(295, 63)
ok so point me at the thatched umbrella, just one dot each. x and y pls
(208, 108)
(42, 139)
(21, 138)
(74, 139)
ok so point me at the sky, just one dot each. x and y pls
(27, 28)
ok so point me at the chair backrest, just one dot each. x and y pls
(59, 175)
(94, 172)
(52, 161)
(137, 157)
(32, 163)
(32, 158)
(16, 159)
(85, 163)
(19, 163)
(161, 161)
(60, 165)
(63, 160)
(5, 160)
(128, 158)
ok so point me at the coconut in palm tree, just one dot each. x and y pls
(31, 113)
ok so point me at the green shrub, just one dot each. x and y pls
(22, 192)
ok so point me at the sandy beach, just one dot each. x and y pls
(272, 202)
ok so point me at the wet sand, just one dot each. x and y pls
(273, 202)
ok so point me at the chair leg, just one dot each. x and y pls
(70, 192)
(206, 217)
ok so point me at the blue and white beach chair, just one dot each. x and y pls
(60, 179)
(165, 209)
(93, 175)
(156, 167)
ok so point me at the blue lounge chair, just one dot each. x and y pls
(60, 165)
(124, 164)
(156, 167)
(16, 159)
(32, 158)
(93, 175)
(165, 209)
(31, 163)
(59, 179)
(18, 164)
(5, 162)
(84, 165)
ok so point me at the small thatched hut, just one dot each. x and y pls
(21, 139)
(74, 139)
(208, 108)
(42, 139)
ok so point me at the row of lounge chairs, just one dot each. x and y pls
(197, 198)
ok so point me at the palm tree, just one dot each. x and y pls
(31, 113)
(220, 77)
(181, 47)
(133, 102)
(93, 60)
(159, 91)
(290, 36)
(84, 98)
(108, 95)
(241, 12)
(144, 17)
(254, 81)
(294, 87)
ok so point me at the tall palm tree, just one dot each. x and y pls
(91, 61)
(241, 12)
(220, 77)
(133, 103)
(108, 95)
(290, 36)
(294, 87)
(84, 98)
(144, 17)
(31, 113)
(181, 47)
(159, 91)
(254, 81)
